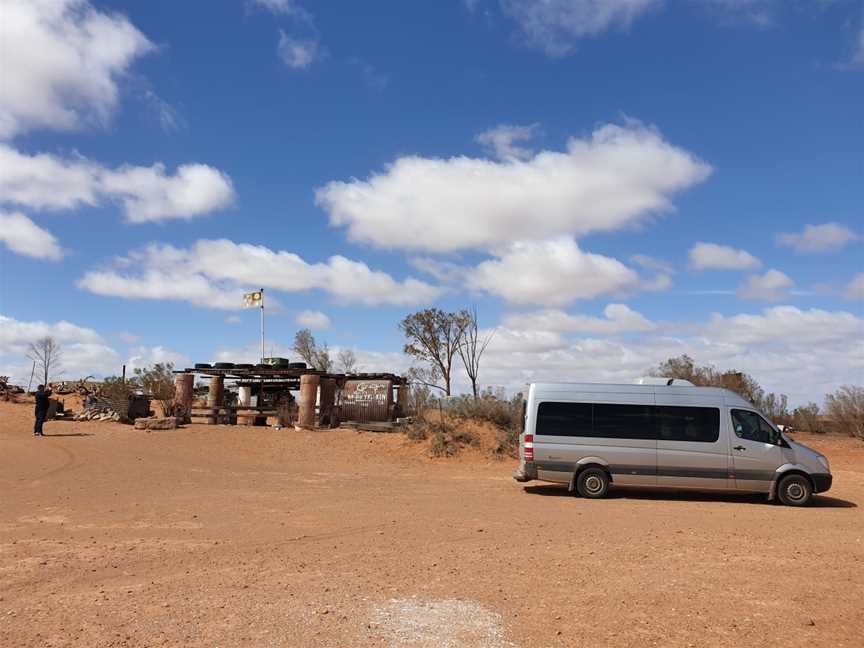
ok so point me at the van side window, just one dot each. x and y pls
(751, 426)
(623, 421)
(564, 419)
(699, 424)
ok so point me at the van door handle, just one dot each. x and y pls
(739, 448)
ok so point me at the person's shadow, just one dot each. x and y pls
(69, 434)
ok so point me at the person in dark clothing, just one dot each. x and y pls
(42, 404)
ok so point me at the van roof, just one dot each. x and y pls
(716, 393)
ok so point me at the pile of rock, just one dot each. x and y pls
(98, 413)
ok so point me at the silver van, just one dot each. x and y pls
(593, 436)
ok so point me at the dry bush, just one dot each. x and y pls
(495, 408)
(806, 418)
(845, 408)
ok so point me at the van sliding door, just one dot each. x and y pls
(691, 452)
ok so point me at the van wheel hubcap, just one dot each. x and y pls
(593, 484)
(795, 491)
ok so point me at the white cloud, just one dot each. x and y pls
(283, 7)
(45, 181)
(771, 286)
(617, 177)
(298, 53)
(83, 350)
(556, 25)
(804, 353)
(215, 273)
(142, 357)
(554, 272)
(618, 318)
(710, 256)
(855, 289)
(23, 236)
(233, 319)
(819, 238)
(650, 263)
(61, 63)
(313, 319)
(501, 141)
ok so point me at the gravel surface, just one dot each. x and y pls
(231, 536)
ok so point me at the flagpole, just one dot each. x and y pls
(262, 326)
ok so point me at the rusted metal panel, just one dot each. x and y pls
(367, 400)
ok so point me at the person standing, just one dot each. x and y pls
(42, 404)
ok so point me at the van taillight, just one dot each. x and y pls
(528, 445)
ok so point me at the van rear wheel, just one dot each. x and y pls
(794, 490)
(592, 483)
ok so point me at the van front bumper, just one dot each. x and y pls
(821, 482)
(525, 472)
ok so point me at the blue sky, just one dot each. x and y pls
(554, 163)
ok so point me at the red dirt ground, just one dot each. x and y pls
(232, 536)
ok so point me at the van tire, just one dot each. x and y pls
(794, 490)
(592, 483)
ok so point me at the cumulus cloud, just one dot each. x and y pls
(855, 289)
(501, 141)
(142, 357)
(819, 238)
(45, 181)
(298, 53)
(22, 236)
(215, 273)
(771, 286)
(62, 60)
(84, 351)
(555, 26)
(555, 272)
(710, 256)
(618, 318)
(313, 319)
(772, 345)
(614, 178)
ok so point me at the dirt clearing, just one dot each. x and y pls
(232, 536)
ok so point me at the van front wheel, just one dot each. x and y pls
(593, 483)
(794, 490)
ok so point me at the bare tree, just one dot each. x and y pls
(347, 360)
(472, 347)
(433, 337)
(304, 346)
(46, 353)
(307, 348)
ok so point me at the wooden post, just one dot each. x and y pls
(328, 400)
(308, 396)
(402, 400)
(183, 388)
(216, 393)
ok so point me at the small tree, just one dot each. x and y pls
(433, 337)
(304, 346)
(158, 381)
(347, 360)
(46, 353)
(845, 407)
(472, 347)
(322, 361)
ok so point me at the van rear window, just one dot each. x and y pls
(614, 421)
(564, 419)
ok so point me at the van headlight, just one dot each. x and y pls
(824, 461)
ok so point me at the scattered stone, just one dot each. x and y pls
(167, 423)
